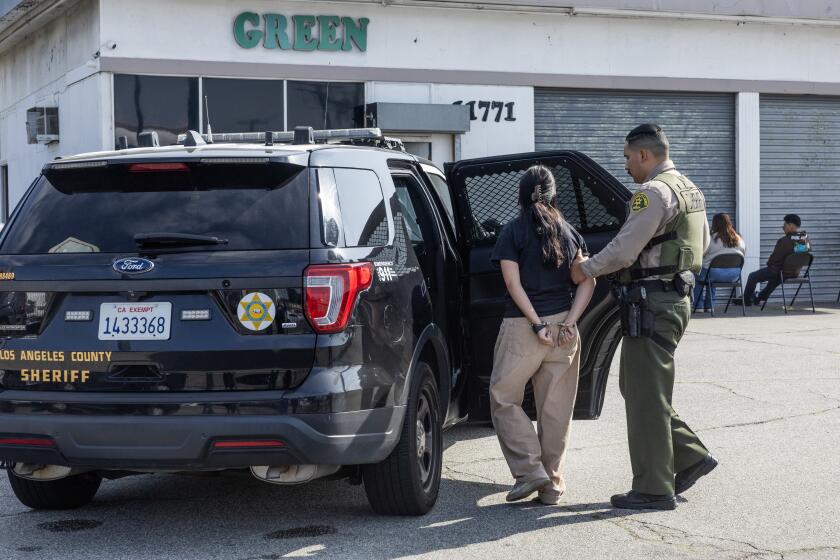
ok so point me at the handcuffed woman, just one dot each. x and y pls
(538, 340)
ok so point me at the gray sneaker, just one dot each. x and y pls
(548, 497)
(525, 488)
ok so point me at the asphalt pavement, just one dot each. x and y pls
(763, 392)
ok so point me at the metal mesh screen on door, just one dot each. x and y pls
(493, 202)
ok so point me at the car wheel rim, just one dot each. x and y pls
(426, 441)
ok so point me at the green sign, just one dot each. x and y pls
(301, 33)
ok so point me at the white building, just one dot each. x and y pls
(749, 92)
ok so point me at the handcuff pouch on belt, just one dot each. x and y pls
(683, 282)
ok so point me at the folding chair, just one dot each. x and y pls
(729, 260)
(801, 261)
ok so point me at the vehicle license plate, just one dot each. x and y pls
(134, 321)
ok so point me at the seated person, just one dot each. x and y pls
(794, 241)
(724, 240)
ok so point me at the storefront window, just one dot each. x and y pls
(171, 106)
(243, 105)
(166, 105)
(325, 104)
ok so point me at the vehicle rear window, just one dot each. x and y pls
(253, 207)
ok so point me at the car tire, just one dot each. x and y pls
(66, 493)
(408, 480)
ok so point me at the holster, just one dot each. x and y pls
(637, 320)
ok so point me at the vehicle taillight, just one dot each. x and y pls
(27, 441)
(331, 292)
(248, 444)
(21, 313)
(156, 167)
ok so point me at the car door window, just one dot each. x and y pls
(409, 209)
(441, 190)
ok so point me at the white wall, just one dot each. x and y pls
(487, 41)
(748, 177)
(487, 136)
(52, 67)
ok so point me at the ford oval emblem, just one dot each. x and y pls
(133, 265)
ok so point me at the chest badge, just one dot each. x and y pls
(256, 311)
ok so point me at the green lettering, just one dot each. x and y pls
(247, 39)
(355, 32)
(303, 33)
(328, 34)
(275, 32)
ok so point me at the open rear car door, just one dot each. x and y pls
(593, 201)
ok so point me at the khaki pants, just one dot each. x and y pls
(519, 357)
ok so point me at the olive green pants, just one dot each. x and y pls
(660, 442)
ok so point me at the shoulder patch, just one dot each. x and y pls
(640, 202)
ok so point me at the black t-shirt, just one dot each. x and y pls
(548, 287)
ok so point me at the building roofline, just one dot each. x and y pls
(18, 17)
(817, 12)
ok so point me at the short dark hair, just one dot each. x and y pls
(793, 219)
(650, 137)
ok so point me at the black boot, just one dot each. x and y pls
(637, 500)
(686, 478)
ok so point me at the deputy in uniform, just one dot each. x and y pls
(657, 249)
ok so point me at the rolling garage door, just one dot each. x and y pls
(700, 128)
(800, 174)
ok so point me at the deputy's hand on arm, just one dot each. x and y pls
(578, 276)
(645, 217)
(510, 272)
(583, 294)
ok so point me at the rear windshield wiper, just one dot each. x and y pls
(164, 240)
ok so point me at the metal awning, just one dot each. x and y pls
(420, 117)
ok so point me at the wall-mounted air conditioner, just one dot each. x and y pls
(42, 125)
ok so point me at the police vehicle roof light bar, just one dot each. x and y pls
(269, 138)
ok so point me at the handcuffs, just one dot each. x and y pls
(564, 327)
(537, 327)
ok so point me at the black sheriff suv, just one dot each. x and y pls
(317, 303)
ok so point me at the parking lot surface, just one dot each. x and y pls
(763, 392)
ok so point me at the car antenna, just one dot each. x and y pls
(209, 128)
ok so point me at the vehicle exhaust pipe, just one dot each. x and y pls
(44, 473)
(292, 474)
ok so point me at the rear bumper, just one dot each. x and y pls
(185, 442)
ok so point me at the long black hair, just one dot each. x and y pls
(537, 195)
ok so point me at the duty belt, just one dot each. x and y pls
(655, 285)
